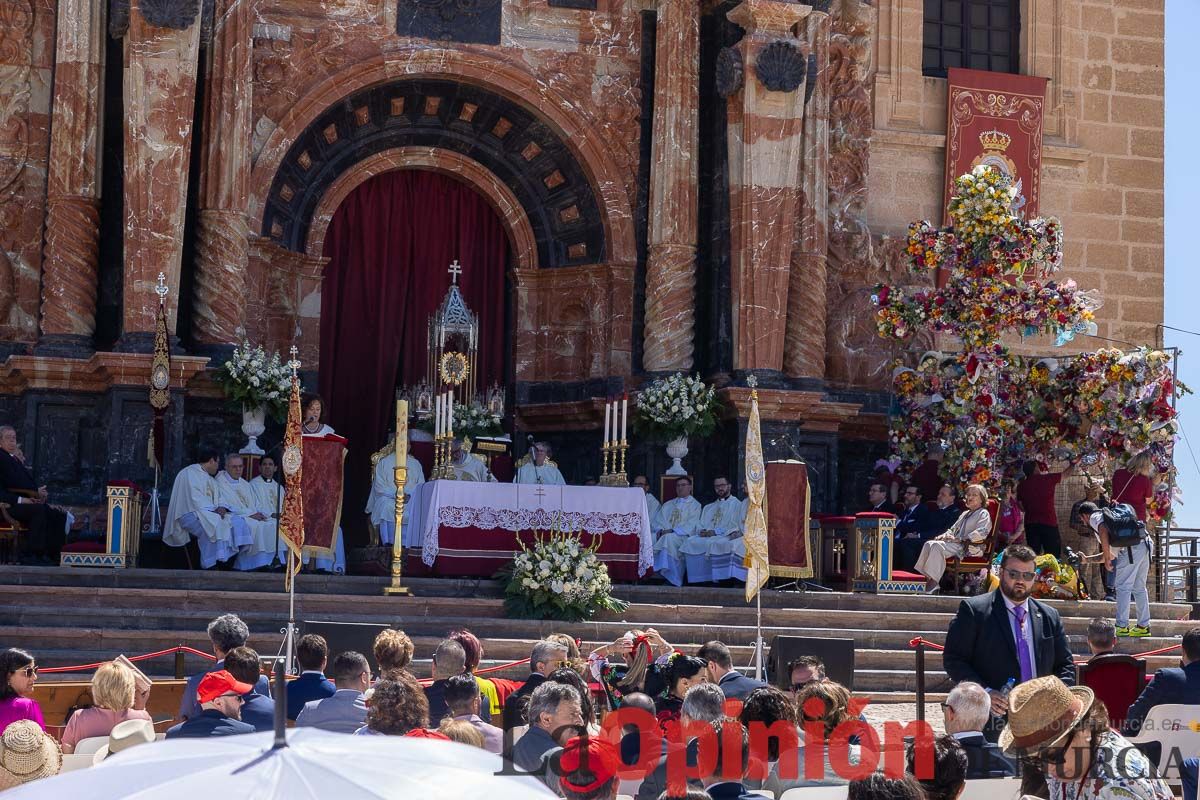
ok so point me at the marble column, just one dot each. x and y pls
(804, 337)
(671, 237)
(222, 241)
(765, 140)
(70, 266)
(161, 50)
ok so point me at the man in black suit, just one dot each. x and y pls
(719, 670)
(725, 780)
(1006, 637)
(877, 499)
(911, 528)
(220, 696)
(966, 713)
(1179, 685)
(545, 657)
(27, 504)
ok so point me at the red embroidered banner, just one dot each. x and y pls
(995, 118)
(788, 542)
(322, 484)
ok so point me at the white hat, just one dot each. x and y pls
(125, 735)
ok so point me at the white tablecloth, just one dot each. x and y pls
(517, 507)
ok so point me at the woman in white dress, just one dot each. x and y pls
(314, 409)
(966, 535)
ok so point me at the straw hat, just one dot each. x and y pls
(125, 735)
(27, 754)
(1042, 712)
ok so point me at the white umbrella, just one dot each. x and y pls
(314, 764)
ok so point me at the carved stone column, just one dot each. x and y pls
(161, 49)
(71, 257)
(671, 239)
(766, 137)
(804, 342)
(222, 240)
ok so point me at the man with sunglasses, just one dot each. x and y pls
(221, 698)
(1006, 637)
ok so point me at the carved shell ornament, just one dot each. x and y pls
(781, 66)
(731, 72)
(176, 14)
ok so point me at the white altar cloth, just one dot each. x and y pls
(517, 507)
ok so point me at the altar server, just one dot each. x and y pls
(195, 511)
(708, 554)
(677, 520)
(253, 530)
(466, 466)
(382, 503)
(539, 470)
(652, 504)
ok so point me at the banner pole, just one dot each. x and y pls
(758, 641)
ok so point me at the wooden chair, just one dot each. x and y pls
(1117, 679)
(9, 528)
(958, 567)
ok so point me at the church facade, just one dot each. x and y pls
(711, 186)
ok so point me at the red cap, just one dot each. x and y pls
(425, 733)
(215, 684)
(585, 757)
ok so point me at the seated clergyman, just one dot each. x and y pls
(540, 470)
(253, 529)
(195, 511)
(382, 503)
(708, 553)
(466, 466)
(677, 521)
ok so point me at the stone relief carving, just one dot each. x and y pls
(781, 66)
(176, 14)
(118, 18)
(731, 72)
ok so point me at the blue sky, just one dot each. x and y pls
(1182, 278)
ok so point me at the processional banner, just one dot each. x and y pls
(789, 540)
(995, 118)
(322, 483)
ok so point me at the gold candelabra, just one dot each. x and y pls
(401, 473)
(443, 436)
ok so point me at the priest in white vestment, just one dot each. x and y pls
(466, 466)
(676, 522)
(652, 504)
(268, 498)
(539, 470)
(708, 553)
(195, 511)
(253, 531)
(382, 503)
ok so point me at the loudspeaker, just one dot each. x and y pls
(343, 636)
(837, 654)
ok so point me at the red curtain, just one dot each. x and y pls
(389, 244)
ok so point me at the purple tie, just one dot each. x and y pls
(1022, 646)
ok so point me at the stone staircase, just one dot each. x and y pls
(79, 616)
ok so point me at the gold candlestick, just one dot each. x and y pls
(401, 474)
(621, 472)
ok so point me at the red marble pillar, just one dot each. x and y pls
(671, 240)
(222, 245)
(71, 257)
(161, 50)
(804, 339)
(765, 139)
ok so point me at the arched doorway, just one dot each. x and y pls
(389, 244)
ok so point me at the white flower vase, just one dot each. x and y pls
(677, 449)
(254, 422)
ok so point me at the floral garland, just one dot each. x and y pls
(253, 378)
(558, 578)
(675, 406)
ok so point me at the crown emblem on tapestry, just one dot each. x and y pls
(995, 141)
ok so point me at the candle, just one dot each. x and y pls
(607, 412)
(450, 412)
(437, 416)
(624, 416)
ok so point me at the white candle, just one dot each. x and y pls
(607, 413)
(624, 416)
(450, 411)
(437, 416)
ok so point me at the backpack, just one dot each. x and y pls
(1124, 528)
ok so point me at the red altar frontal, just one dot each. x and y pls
(472, 528)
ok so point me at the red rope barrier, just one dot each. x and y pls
(922, 640)
(144, 657)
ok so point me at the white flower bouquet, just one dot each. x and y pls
(558, 578)
(253, 378)
(472, 420)
(679, 405)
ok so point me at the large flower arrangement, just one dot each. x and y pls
(558, 578)
(990, 409)
(676, 406)
(253, 378)
(471, 419)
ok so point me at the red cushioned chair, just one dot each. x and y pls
(969, 566)
(1117, 679)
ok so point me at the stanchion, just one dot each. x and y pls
(920, 680)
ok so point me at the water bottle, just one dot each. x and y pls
(1008, 687)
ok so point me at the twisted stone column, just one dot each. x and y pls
(70, 267)
(671, 256)
(222, 243)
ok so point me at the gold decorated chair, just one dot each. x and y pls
(523, 460)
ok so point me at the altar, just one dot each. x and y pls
(472, 528)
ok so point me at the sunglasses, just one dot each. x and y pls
(240, 699)
(1017, 575)
(29, 671)
(798, 686)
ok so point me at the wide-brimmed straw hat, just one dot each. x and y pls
(27, 754)
(1042, 712)
(125, 735)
